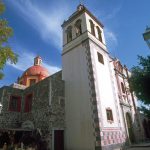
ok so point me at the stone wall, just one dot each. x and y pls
(47, 104)
(47, 112)
(9, 119)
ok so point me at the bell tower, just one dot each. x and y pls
(86, 72)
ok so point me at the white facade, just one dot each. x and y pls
(95, 115)
(77, 105)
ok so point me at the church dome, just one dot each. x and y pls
(37, 70)
(34, 74)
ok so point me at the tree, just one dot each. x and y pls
(140, 82)
(140, 79)
(145, 110)
(6, 53)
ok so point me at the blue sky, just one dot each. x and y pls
(37, 30)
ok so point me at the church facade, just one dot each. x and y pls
(86, 106)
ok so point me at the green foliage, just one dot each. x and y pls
(146, 111)
(6, 53)
(140, 79)
(2, 7)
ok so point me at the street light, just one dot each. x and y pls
(146, 36)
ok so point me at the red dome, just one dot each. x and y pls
(36, 70)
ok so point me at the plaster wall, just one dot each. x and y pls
(78, 118)
(104, 89)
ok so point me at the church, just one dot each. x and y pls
(87, 105)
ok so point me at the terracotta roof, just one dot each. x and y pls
(35, 70)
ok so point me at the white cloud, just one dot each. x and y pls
(46, 22)
(26, 60)
(111, 38)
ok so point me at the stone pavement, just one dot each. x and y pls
(141, 146)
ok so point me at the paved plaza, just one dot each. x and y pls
(139, 148)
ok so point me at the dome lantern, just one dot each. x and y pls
(37, 61)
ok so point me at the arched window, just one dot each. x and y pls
(69, 34)
(122, 87)
(92, 27)
(99, 33)
(78, 27)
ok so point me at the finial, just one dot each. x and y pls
(80, 6)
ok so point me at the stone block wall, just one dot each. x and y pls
(47, 112)
(9, 119)
(47, 105)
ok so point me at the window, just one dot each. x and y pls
(15, 103)
(69, 34)
(32, 81)
(100, 58)
(122, 87)
(109, 114)
(99, 34)
(78, 27)
(92, 27)
(28, 103)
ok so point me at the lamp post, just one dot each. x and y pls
(146, 36)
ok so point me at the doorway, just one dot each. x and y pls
(130, 128)
(58, 139)
(146, 130)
